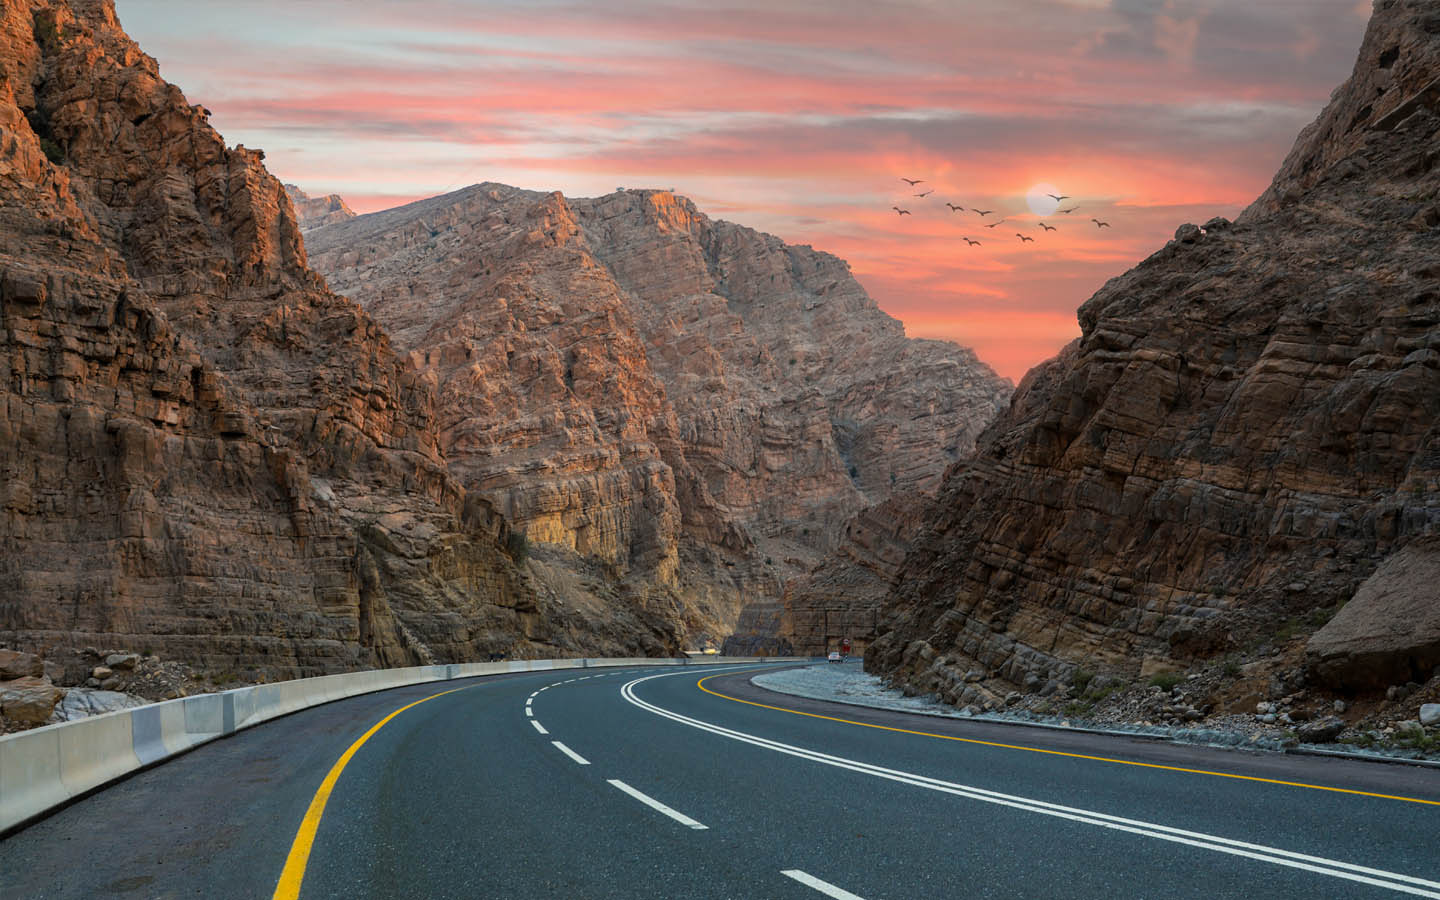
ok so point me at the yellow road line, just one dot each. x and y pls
(1123, 762)
(294, 871)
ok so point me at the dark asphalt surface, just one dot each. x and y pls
(461, 797)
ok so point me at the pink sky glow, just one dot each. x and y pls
(797, 118)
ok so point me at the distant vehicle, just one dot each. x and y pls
(711, 651)
(834, 656)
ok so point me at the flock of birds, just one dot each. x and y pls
(1058, 198)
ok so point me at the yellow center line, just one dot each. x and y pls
(1123, 762)
(294, 871)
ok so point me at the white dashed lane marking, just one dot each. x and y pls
(658, 806)
(823, 887)
(571, 753)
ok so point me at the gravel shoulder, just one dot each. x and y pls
(849, 683)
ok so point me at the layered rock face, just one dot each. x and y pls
(313, 212)
(1245, 430)
(843, 596)
(207, 453)
(691, 405)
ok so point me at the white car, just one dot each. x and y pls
(834, 656)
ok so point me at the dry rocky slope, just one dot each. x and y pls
(209, 455)
(1245, 437)
(312, 212)
(677, 410)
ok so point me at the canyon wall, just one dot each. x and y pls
(1244, 433)
(689, 408)
(207, 453)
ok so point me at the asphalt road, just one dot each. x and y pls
(647, 784)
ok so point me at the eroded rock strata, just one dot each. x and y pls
(693, 407)
(208, 454)
(1246, 429)
(312, 212)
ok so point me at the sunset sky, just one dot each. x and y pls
(797, 118)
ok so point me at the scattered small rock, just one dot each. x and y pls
(101, 672)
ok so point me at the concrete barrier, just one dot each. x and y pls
(45, 768)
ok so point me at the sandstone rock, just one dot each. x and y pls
(313, 212)
(18, 664)
(29, 700)
(841, 596)
(694, 406)
(101, 672)
(1389, 630)
(207, 451)
(122, 660)
(1236, 417)
(1321, 731)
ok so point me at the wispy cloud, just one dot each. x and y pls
(796, 117)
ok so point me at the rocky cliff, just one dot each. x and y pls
(207, 453)
(693, 407)
(1248, 427)
(312, 212)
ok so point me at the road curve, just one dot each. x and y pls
(631, 783)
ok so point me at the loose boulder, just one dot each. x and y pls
(29, 700)
(1389, 632)
(1321, 731)
(18, 664)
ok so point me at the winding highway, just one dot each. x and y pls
(690, 782)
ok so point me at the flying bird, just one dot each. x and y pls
(1023, 238)
(1070, 210)
(1048, 227)
(970, 242)
(984, 212)
(913, 181)
(993, 224)
(1058, 197)
(927, 193)
(954, 208)
(903, 212)
(1100, 224)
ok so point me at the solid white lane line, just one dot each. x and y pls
(823, 887)
(571, 753)
(1334, 868)
(538, 727)
(658, 806)
(529, 711)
